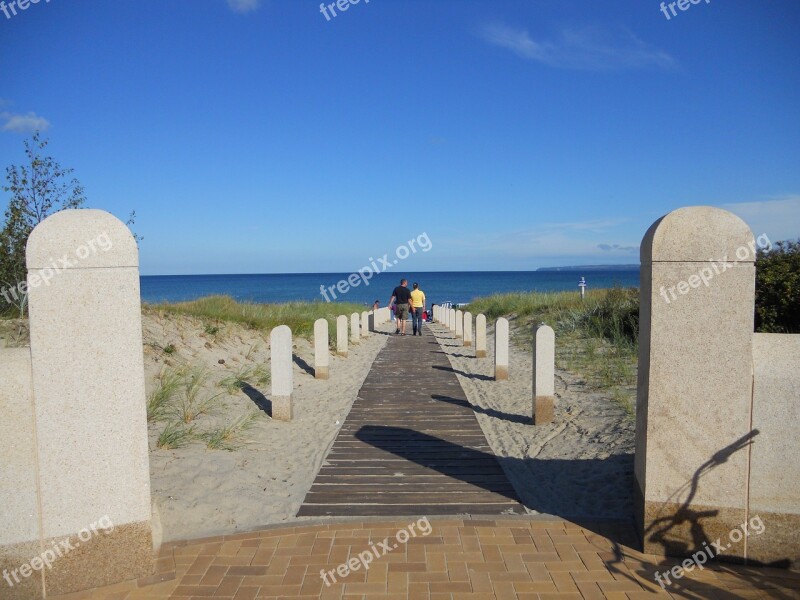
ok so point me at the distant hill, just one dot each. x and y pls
(592, 268)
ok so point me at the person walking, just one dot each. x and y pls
(401, 297)
(417, 308)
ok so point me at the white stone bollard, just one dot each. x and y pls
(371, 324)
(85, 411)
(480, 336)
(695, 387)
(365, 324)
(459, 324)
(355, 328)
(341, 335)
(544, 390)
(452, 320)
(501, 349)
(467, 329)
(280, 343)
(20, 535)
(321, 352)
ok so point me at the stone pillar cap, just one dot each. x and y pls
(697, 234)
(86, 238)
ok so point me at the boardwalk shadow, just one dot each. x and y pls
(260, 400)
(463, 373)
(457, 462)
(556, 487)
(497, 414)
(454, 354)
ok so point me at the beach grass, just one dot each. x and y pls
(193, 402)
(255, 375)
(175, 435)
(159, 401)
(596, 337)
(611, 314)
(230, 437)
(299, 316)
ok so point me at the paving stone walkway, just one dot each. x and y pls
(460, 559)
(411, 445)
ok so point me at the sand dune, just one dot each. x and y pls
(200, 492)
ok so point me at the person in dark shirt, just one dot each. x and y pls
(401, 297)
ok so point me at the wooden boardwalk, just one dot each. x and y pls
(411, 445)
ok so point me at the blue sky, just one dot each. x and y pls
(258, 136)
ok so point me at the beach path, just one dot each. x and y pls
(411, 445)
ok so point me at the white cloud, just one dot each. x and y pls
(23, 123)
(779, 218)
(591, 48)
(581, 240)
(244, 6)
(617, 248)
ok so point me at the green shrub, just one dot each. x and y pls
(778, 288)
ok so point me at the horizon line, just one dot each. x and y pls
(539, 269)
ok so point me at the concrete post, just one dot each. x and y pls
(693, 415)
(321, 352)
(280, 342)
(341, 335)
(544, 390)
(501, 349)
(365, 324)
(480, 336)
(85, 413)
(467, 329)
(355, 328)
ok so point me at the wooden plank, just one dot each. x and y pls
(452, 487)
(410, 445)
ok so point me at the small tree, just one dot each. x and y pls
(778, 288)
(38, 189)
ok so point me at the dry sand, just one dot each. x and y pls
(578, 467)
(581, 465)
(200, 492)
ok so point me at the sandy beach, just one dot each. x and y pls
(583, 465)
(200, 492)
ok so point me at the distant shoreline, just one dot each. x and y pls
(629, 267)
(591, 268)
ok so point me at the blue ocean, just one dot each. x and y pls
(460, 287)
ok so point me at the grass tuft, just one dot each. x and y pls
(159, 402)
(193, 403)
(229, 437)
(255, 375)
(175, 435)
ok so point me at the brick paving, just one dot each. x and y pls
(503, 559)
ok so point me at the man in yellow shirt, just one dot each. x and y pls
(417, 308)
